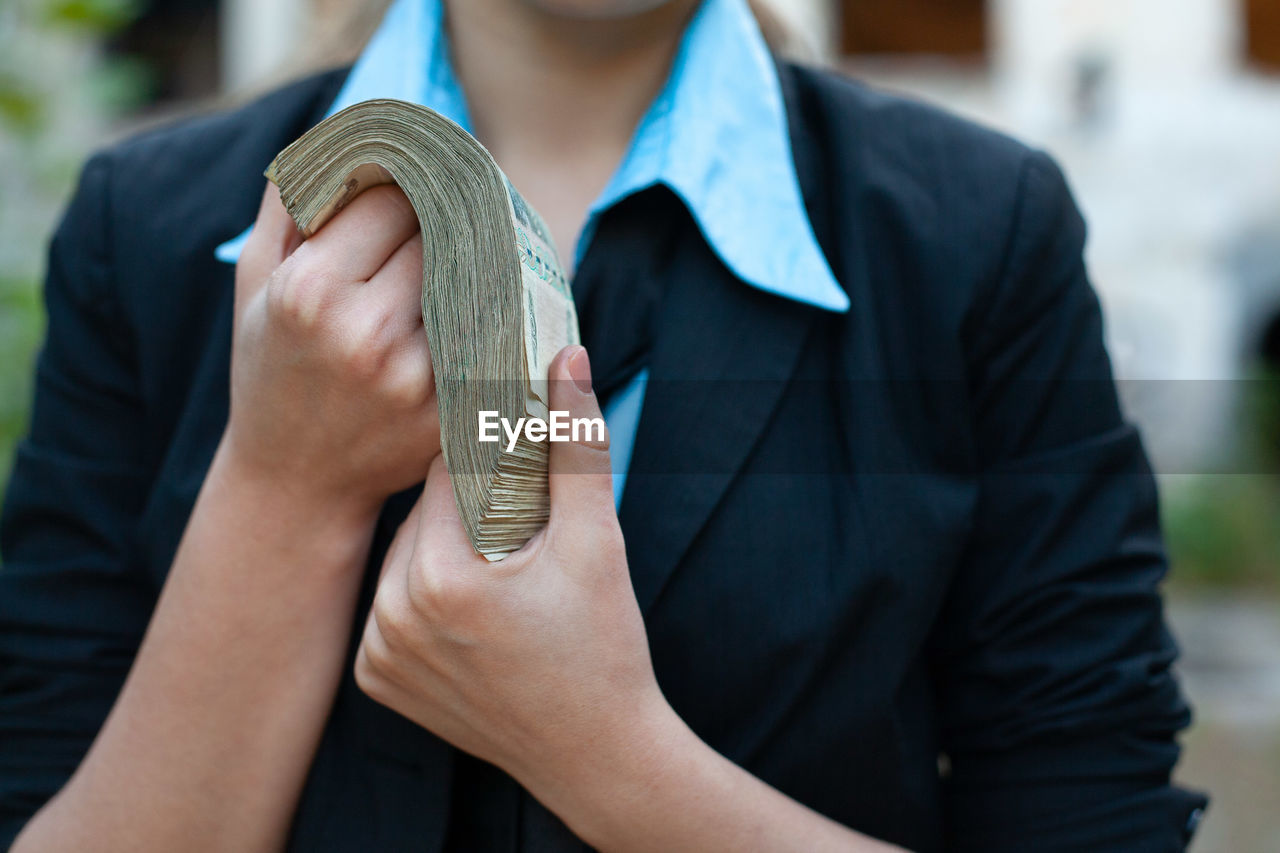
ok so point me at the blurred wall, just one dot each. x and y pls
(1171, 138)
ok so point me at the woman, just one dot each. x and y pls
(883, 567)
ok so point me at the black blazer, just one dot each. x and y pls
(900, 563)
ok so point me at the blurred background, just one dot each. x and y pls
(1164, 113)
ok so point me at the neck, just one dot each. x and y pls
(555, 98)
(548, 80)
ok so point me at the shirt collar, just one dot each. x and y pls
(716, 135)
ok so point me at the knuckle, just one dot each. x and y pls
(362, 346)
(356, 354)
(297, 295)
(393, 625)
(368, 673)
(429, 592)
(277, 285)
(435, 591)
(593, 434)
(405, 395)
(409, 388)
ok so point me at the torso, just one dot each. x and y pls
(788, 602)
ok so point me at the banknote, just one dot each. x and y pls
(496, 303)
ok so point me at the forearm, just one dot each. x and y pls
(663, 788)
(211, 737)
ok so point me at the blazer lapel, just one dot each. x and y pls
(723, 355)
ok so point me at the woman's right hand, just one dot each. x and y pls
(332, 392)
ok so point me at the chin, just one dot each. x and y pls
(596, 9)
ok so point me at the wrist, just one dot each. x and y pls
(614, 786)
(297, 529)
(341, 514)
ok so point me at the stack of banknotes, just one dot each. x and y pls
(496, 304)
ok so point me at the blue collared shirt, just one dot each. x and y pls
(716, 135)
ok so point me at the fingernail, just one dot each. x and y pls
(580, 370)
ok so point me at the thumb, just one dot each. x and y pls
(579, 471)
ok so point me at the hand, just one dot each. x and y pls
(535, 663)
(539, 664)
(332, 393)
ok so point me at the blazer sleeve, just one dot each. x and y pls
(73, 603)
(1059, 709)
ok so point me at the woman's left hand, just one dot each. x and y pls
(538, 663)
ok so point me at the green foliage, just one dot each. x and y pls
(1224, 529)
(122, 84)
(58, 95)
(19, 104)
(21, 326)
(95, 16)
(1260, 413)
(27, 92)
